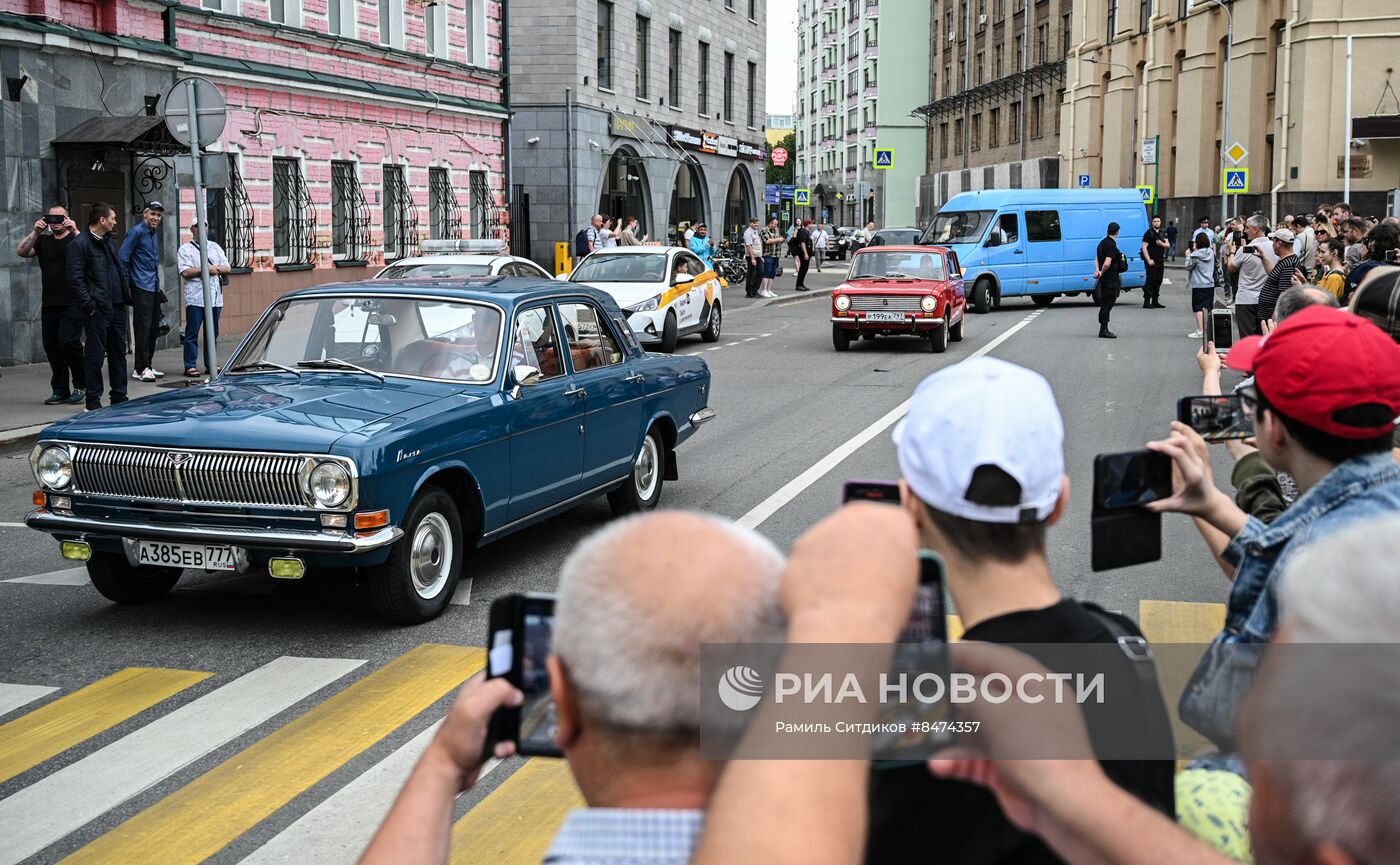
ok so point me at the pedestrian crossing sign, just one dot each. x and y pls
(884, 157)
(1237, 180)
(1148, 193)
(802, 196)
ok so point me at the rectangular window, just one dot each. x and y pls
(1020, 57)
(213, 5)
(391, 23)
(1065, 36)
(1037, 104)
(753, 93)
(434, 29)
(286, 12)
(977, 68)
(605, 31)
(704, 82)
(283, 205)
(975, 132)
(1013, 131)
(673, 70)
(342, 178)
(728, 87)
(1112, 19)
(643, 57)
(997, 58)
(476, 32)
(439, 208)
(957, 137)
(942, 141)
(341, 17)
(1042, 225)
(753, 10)
(398, 229)
(1042, 43)
(1059, 101)
(994, 127)
(1183, 8)
(1144, 15)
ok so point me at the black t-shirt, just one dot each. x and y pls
(53, 266)
(915, 817)
(804, 241)
(1152, 237)
(1108, 248)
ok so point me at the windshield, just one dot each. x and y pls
(634, 267)
(959, 226)
(433, 270)
(897, 236)
(897, 265)
(391, 336)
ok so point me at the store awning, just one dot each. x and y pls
(142, 133)
(1376, 126)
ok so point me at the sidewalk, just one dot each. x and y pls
(23, 390)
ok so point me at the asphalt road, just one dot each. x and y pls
(786, 401)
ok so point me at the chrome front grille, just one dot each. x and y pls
(190, 476)
(885, 302)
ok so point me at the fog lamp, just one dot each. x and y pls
(286, 569)
(77, 551)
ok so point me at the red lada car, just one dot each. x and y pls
(900, 291)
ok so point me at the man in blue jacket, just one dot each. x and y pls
(140, 257)
(103, 293)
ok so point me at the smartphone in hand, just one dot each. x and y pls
(519, 635)
(1123, 532)
(870, 491)
(1217, 418)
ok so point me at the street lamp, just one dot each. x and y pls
(1225, 104)
(1132, 76)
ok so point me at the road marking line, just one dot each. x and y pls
(716, 348)
(12, 525)
(1180, 621)
(201, 818)
(14, 696)
(516, 822)
(727, 344)
(338, 830)
(751, 339)
(52, 729)
(68, 577)
(793, 488)
(108, 777)
(463, 595)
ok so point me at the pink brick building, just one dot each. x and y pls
(355, 129)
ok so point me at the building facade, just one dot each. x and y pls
(1161, 77)
(855, 93)
(354, 129)
(778, 127)
(645, 108)
(998, 78)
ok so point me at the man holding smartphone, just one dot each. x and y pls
(61, 318)
(981, 451)
(1252, 262)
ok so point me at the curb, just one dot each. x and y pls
(784, 300)
(21, 435)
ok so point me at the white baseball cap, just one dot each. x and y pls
(984, 441)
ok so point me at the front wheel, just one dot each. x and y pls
(670, 333)
(982, 297)
(711, 331)
(417, 581)
(120, 581)
(955, 333)
(938, 339)
(642, 491)
(840, 338)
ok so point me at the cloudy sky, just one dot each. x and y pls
(782, 55)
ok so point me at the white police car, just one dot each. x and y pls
(442, 258)
(666, 291)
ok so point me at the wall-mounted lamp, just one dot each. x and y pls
(535, 140)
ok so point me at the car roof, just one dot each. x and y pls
(502, 290)
(990, 199)
(456, 258)
(635, 250)
(903, 247)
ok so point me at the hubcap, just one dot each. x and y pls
(715, 320)
(430, 557)
(644, 474)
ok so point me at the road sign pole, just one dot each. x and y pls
(201, 217)
(1157, 175)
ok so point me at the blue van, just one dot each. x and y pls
(1037, 242)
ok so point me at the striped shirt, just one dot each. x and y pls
(626, 836)
(1276, 283)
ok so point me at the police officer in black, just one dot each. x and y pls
(104, 294)
(1106, 264)
(1154, 255)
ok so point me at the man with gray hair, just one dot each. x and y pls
(633, 608)
(1301, 297)
(1252, 262)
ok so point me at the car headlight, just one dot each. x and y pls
(646, 305)
(842, 302)
(54, 468)
(330, 485)
(929, 303)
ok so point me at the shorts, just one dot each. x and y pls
(1202, 299)
(770, 267)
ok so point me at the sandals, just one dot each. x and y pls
(191, 373)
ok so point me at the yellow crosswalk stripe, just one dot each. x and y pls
(516, 822)
(955, 628)
(201, 818)
(1180, 621)
(50, 730)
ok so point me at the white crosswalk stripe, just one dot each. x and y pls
(56, 805)
(14, 696)
(68, 577)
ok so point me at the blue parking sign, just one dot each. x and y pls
(1083, 181)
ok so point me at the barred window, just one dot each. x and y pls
(350, 236)
(293, 215)
(400, 216)
(444, 217)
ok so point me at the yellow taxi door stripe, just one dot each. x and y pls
(670, 295)
(201, 818)
(515, 823)
(49, 730)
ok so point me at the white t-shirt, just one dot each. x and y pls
(753, 239)
(819, 239)
(188, 256)
(1253, 270)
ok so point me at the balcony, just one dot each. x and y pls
(870, 131)
(872, 10)
(852, 99)
(871, 91)
(872, 51)
(828, 75)
(829, 39)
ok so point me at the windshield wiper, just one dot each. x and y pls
(337, 363)
(264, 363)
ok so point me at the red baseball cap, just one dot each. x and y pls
(1329, 369)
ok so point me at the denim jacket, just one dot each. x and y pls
(1355, 491)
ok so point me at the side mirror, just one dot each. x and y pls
(682, 279)
(525, 376)
(994, 239)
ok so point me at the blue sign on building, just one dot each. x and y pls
(1083, 181)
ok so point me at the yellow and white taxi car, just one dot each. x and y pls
(452, 258)
(666, 291)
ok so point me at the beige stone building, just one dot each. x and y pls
(1144, 69)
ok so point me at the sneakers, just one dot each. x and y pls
(157, 373)
(56, 399)
(76, 397)
(147, 374)
(1195, 334)
(1105, 333)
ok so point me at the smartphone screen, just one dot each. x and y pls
(1216, 418)
(871, 491)
(928, 621)
(1222, 330)
(520, 634)
(1131, 479)
(922, 648)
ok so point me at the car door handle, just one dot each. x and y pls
(1020, 252)
(575, 391)
(635, 377)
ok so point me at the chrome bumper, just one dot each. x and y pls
(704, 415)
(861, 322)
(275, 539)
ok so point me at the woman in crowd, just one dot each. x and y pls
(1331, 266)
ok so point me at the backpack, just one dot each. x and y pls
(581, 244)
(1120, 263)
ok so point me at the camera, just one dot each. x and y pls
(54, 218)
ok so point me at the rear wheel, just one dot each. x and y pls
(642, 491)
(670, 333)
(938, 339)
(416, 583)
(711, 331)
(840, 338)
(120, 581)
(1042, 300)
(982, 297)
(955, 333)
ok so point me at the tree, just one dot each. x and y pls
(783, 174)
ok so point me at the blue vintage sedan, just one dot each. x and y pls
(386, 426)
